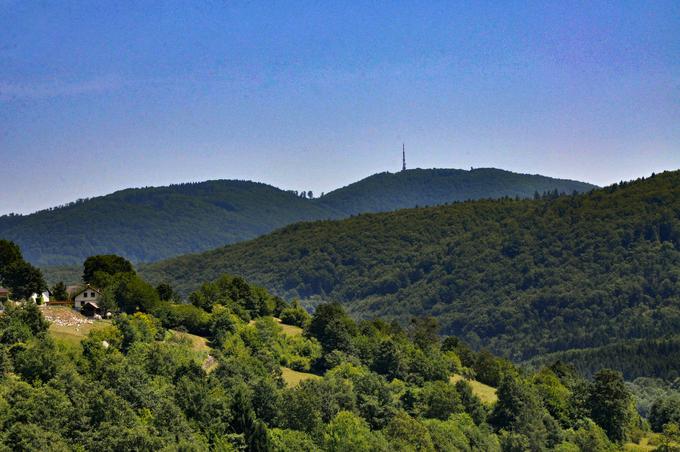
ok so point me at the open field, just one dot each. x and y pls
(293, 377)
(198, 343)
(69, 326)
(290, 330)
(486, 393)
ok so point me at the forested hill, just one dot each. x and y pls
(426, 187)
(522, 277)
(149, 224)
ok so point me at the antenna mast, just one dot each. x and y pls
(403, 157)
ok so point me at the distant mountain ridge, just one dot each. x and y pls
(384, 192)
(149, 224)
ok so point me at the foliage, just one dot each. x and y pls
(245, 299)
(9, 253)
(609, 403)
(295, 315)
(427, 187)
(165, 292)
(635, 358)
(519, 413)
(148, 224)
(109, 264)
(59, 291)
(19, 276)
(333, 328)
(23, 279)
(664, 410)
(519, 277)
(646, 391)
(131, 294)
(134, 385)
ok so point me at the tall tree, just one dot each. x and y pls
(23, 279)
(9, 253)
(519, 411)
(59, 291)
(165, 292)
(332, 327)
(424, 331)
(609, 402)
(109, 264)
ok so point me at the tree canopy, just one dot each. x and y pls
(520, 277)
(152, 223)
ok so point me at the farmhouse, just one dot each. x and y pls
(4, 294)
(84, 295)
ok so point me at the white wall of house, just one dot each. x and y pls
(84, 297)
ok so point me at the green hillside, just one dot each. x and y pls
(426, 187)
(522, 277)
(634, 358)
(149, 224)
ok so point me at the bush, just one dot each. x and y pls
(295, 316)
(184, 317)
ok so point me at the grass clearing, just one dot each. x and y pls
(72, 336)
(293, 377)
(486, 393)
(198, 343)
(290, 330)
(68, 326)
(648, 443)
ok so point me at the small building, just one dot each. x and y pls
(86, 294)
(4, 294)
(90, 309)
(45, 297)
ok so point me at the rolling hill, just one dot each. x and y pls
(149, 224)
(427, 187)
(521, 277)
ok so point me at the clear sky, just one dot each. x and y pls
(98, 96)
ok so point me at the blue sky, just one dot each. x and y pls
(98, 96)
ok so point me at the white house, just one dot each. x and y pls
(84, 295)
(35, 296)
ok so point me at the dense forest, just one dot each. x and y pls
(148, 224)
(521, 277)
(142, 382)
(428, 187)
(634, 358)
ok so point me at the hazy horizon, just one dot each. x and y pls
(98, 97)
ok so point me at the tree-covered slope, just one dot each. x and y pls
(522, 277)
(148, 224)
(634, 358)
(422, 187)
